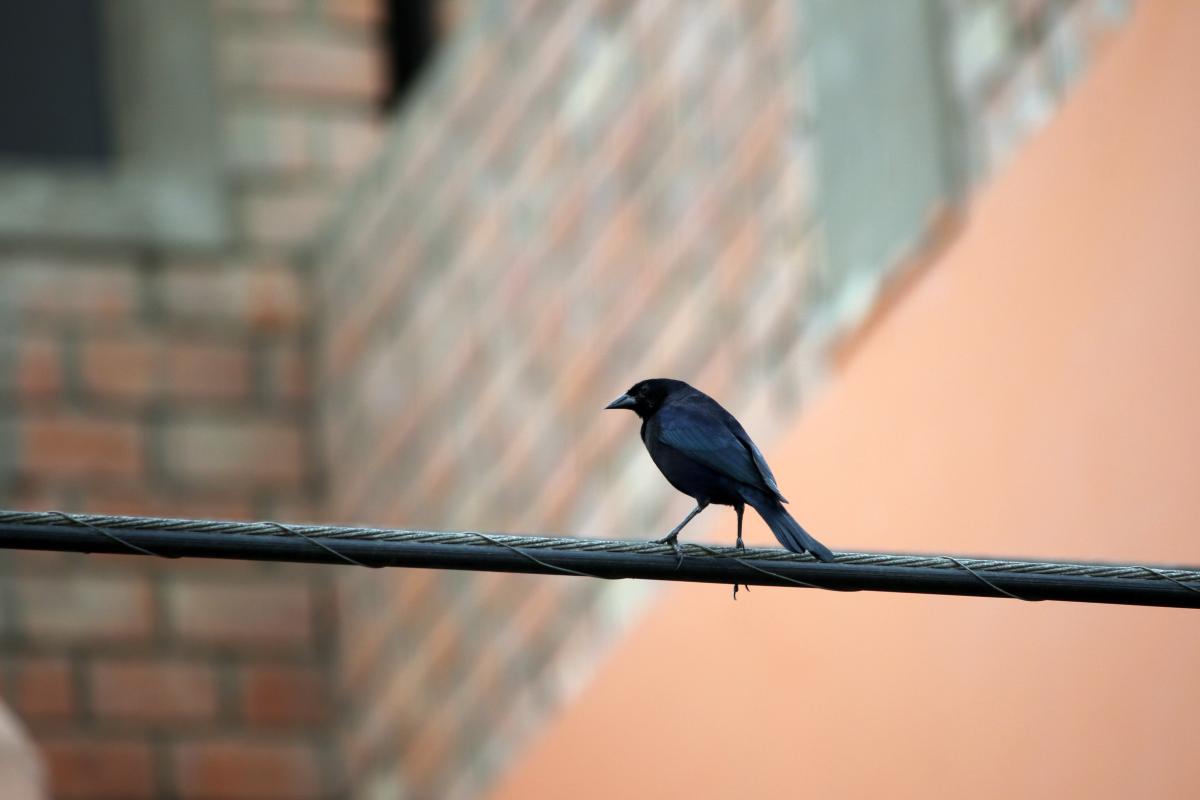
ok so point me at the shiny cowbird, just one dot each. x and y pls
(705, 453)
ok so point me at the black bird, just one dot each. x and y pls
(705, 453)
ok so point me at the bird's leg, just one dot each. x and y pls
(672, 538)
(739, 508)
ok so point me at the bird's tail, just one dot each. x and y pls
(786, 530)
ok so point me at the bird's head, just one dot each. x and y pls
(644, 398)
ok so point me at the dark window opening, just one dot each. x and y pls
(411, 31)
(53, 104)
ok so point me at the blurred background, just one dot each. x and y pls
(384, 261)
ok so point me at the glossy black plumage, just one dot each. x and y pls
(704, 452)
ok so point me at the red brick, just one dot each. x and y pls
(125, 368)
(350, 143)
(217, 452)
(78, 291)
(313, 66)
(395, 711)
(264, 295)
(276, 298)
(268, 614)
(96, 769)
(152, 691)
(486, 676)
(372, 606)
(285, 216)
(355, 12)
(41, 687)
(430, 754)
(287, 374)
(283, 695)
(538, 609)
(77, 608)
(208, 371)
(443, 644)
(245, 770)
(37, 369)
(292, 508)
(40, 561)
(58, 447)
(361, 637)
(26, 493)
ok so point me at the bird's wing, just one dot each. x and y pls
(702, 430)
(768, 477)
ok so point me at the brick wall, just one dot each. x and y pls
(143, 682)
(169, 382)
(576, 196)
(123, 377)
(580, 196)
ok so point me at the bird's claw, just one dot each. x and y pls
(673, 540)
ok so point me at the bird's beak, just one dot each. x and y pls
(624, 401)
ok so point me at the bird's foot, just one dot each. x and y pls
(740, 546)
(672, 539)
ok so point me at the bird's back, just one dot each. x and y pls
(698, 428)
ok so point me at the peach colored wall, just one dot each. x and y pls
(1035, 393)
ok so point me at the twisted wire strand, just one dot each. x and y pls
(109, 534)
(327, 536)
